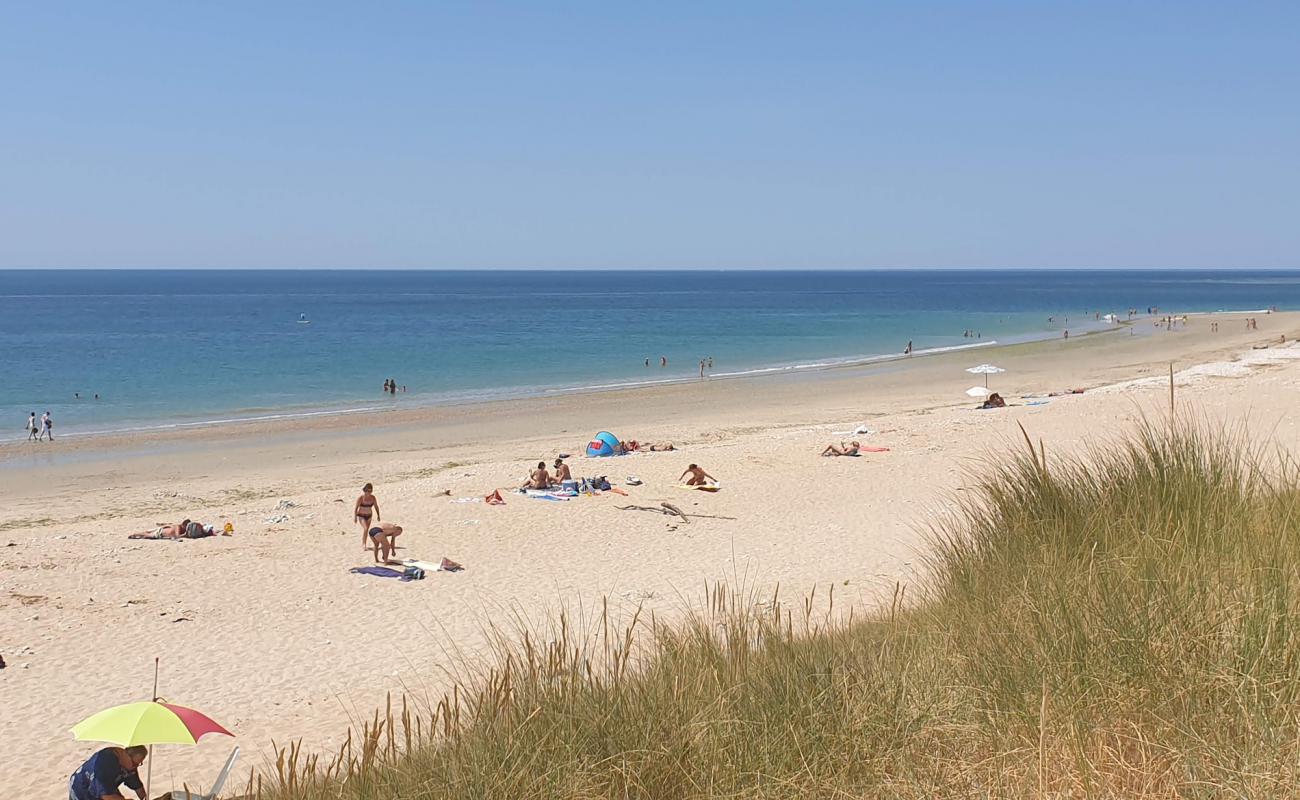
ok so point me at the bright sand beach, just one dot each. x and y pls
(269, 632)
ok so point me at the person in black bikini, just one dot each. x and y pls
(385, 538)
(366, 507)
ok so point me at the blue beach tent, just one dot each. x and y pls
(603, 444)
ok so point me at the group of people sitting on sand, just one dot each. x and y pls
(541, 478)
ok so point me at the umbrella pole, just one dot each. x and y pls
(148, 771)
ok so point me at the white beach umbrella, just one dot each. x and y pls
(986, 370)
(979, 391)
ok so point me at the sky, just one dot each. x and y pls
(650, 135)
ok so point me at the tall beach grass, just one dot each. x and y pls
(1117, 624)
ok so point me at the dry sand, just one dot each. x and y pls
(269, 632)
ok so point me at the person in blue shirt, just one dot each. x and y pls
(103, 774)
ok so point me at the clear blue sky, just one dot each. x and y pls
(682, 135)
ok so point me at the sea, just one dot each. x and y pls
(108, 351)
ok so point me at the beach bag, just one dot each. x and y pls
(602, 483)
(413, 574)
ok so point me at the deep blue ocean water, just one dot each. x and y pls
(167, 347)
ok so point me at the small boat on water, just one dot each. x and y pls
(302, 320)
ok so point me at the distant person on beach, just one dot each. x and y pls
(851, 450)
(698, 476)
(907, 351)
(562, 472)
(103, 774)
(384, 535)
(647, 362)
(47, 427)
(663, 361)
(367, 505)
(538, 478)
(701, 368)
(710, 360)
(33, 428)
(995, 401)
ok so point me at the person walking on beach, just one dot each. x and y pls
(701, 368)
(47, 427)
(33, 429)
(367, 505)
(103, 774)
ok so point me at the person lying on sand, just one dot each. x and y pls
(384, 535)
(851, 450)
(634, 446)
(562, 472)
(185, 529)
(995, 401)
(698, 476)
(538, 478)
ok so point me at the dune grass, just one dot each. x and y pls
(1118, 625)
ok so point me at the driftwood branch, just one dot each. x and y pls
(670, 510)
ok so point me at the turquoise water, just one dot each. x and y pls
(190, 347)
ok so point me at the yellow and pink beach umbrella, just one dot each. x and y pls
(149, 722)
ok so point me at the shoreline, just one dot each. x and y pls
(428, 402)
(180, 437)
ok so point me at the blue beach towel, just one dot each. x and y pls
(381, 572)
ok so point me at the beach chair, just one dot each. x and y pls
(217, 785)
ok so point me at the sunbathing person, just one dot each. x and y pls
(384, 536)
(995, 401)
(698, 476)
(185, 529)
(851, 450)
(538, 478)
(162, 530)
(562, 472)
(660, 447)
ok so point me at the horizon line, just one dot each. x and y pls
(969, 268)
